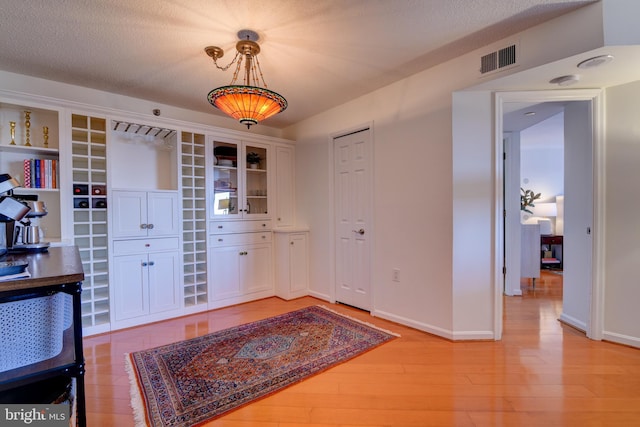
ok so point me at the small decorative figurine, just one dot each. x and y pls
(27, 125)
(12, 125)
(45, 135)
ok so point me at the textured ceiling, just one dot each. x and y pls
(328, 51)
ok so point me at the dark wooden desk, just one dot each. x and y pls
(57, 270)
(553, 244)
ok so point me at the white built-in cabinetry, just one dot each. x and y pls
(240, 197)
(146, 276)
(240, 262)
(240, 186)
(90, 213)
(146, 253)
(167, 222)
(145, 213)
(145, 224)
(292, 263)
(14, 153)
(284, 183)
(194, 219)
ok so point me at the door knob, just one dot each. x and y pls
(360, 232)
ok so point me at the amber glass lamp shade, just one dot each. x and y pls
(247, 104)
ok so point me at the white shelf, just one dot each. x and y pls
(194, 219)
(88, 150)
(28, 151)
(12, 159)
(24, 190)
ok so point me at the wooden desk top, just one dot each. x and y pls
(59, 265)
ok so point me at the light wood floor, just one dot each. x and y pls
(541, 374)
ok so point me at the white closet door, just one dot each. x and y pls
(352, 181)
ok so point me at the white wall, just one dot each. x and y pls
(473, 215)
(622, 249)
(542, 171)
(412, 201)
(313, 191)
(542, 158)
(442, 242)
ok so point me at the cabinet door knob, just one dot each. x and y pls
(149, 226)
(144, 264)
(360, 232)
(143, 226)
(151, 263)
(291, 243)
(147, 245)
(219, 226)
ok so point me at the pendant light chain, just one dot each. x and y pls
(237, 70)
(225, 68)
(257, 65)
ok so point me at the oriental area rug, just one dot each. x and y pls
(191, 382)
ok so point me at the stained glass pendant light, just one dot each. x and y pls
(248, 103)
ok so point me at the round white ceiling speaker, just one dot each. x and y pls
(565, 80)
(596, 61)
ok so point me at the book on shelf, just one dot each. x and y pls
(40, 173)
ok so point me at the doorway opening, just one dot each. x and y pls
(582, 302)
(533, 191)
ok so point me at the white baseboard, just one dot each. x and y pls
(321, 296)
(435, 330)
(621, 339)
(572, 321)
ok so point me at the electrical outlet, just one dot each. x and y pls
(395, 274)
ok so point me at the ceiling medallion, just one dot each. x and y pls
(250, 102)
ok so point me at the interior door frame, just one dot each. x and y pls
(332, 192)
(595, 327)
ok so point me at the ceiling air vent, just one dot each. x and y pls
(498, 59)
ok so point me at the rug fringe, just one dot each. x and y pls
(137, 403)
(371, 325)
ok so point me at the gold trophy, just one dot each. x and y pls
(12, 125)
(45, 135)
(27, 125)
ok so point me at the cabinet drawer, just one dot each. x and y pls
(551, 240)
(240, 239)
(220, 227)
(134, 246)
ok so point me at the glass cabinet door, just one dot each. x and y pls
(226, 184)
(256, 167)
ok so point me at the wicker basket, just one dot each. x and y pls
(32, 330)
